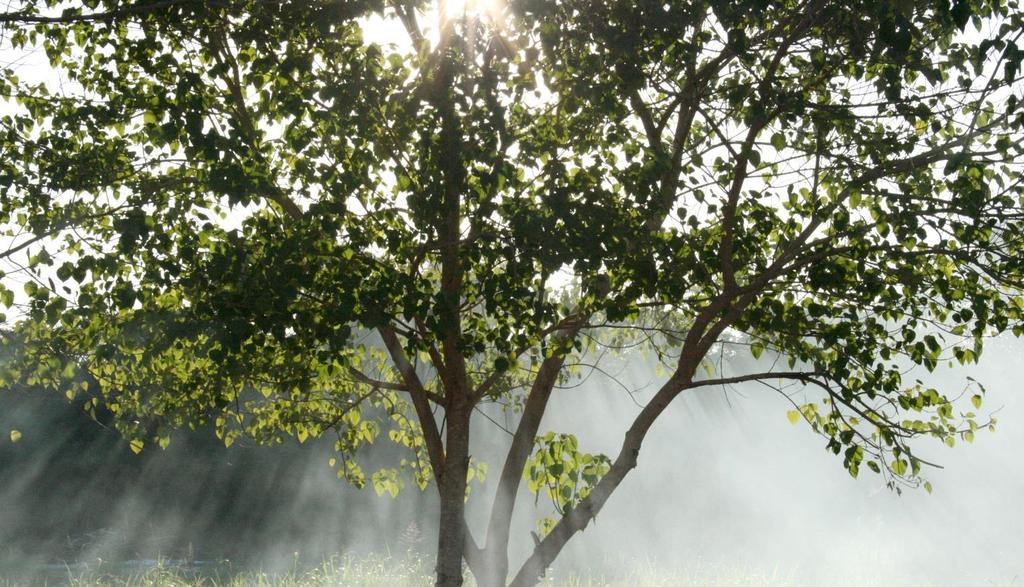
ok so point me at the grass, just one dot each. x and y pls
(410, 571)
(371, 571)
(357, 572)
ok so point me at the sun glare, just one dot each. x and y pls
(482, 9)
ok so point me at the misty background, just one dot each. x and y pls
(724, 482)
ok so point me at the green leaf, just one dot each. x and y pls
(136, 445)
(15, 435)
(855, 198)
(756, 349)
(793, 416)
(779, 141)
(899, 466)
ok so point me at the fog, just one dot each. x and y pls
(725, 484)
(725, 479)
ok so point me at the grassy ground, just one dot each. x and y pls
(369, 572)
(384, 571)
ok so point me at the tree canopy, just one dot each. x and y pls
(360, 218)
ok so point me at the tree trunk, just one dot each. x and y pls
(451, 538)
(578, 518)
(496, 547)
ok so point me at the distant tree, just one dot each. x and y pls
(246, 212)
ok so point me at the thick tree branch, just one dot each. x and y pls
(651, 130)
(576, 519)
(452, 532)
(431, 434)
(419, 395)
(500, 521)
(570, 324)
(407, 14)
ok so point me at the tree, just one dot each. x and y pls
(247, 212)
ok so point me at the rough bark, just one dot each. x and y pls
(496, 547)
(451, 538)
(452, 370)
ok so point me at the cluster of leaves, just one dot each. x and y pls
(159, 296)
(873, 435)
(567, 475)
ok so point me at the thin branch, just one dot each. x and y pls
(798, 375)
(363, 378)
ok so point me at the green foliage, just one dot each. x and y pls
(564, 473)
(230, 208)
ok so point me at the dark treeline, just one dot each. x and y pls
(71, 489)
